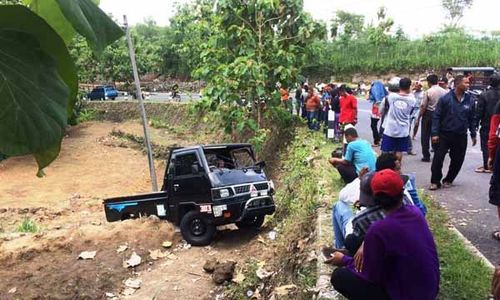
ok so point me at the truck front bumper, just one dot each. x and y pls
(237, 211)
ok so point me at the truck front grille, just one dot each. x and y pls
(261, 186)
(242, 189)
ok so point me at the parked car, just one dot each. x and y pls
(103, 93)
(203, 187)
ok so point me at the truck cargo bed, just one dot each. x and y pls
(129, 207)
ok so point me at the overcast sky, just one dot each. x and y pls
(416, 17)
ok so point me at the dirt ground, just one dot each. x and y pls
(66, 206)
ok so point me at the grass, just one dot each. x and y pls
(463, 275)
(27, 226)
(87, 115)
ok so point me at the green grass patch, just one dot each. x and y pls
(87, 115)
(27, 226)
(463, 275)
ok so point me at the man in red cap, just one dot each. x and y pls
(400, 258)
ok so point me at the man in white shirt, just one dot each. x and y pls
(397, 120)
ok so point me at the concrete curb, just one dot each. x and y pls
(472, 249)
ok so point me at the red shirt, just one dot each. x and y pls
(348, 109)
(493, 138)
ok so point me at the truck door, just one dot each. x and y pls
(190, 181)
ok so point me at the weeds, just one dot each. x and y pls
(87, 115)
(27, 225)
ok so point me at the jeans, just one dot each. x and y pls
(425, 134)
(457, 145)
(354, 287)
(313, 120)
(341, 215)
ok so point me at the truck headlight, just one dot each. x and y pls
(224, 193)
(271, 185)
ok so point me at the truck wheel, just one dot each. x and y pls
(196, 229)
(251, 222)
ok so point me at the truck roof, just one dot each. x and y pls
(214, 146)
(472, 69)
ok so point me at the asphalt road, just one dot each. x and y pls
(160, 97)
(466, 202)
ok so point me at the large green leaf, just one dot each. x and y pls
(33, 98)
(21, 18)
(49, 10)
(91, 22)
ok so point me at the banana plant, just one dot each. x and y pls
(38, 78)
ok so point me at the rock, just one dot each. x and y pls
(210, 265)
(23, 211)
(223, 272)
(134, 283)
(133, 261)
(3, 210)
(272, 235)
(87, 255)
(121, 248)
(96, 223)
(128, 291)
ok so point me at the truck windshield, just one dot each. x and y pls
(240, 158)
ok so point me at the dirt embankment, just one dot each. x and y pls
(66, 209)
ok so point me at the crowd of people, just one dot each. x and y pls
(383, 246)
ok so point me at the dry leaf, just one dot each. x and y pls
(87, 255)
(238, 278)
(172, 256)
(110, 295)
(166, 244)
(121, 248)
(284, 289)
(133, 261)
(157, 254)
(12, 290)
(262, 273)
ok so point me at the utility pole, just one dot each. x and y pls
(131, 50)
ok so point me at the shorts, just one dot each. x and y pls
(394, 144)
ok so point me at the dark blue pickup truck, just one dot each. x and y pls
(203, 187)
(103, 93)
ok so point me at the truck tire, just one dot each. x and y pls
(196, 229)
(251, 222)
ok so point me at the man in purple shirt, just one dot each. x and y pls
(400, 258)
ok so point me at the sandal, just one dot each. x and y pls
(480, 170)
(496, 235)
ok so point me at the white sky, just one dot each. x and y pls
(416, 17)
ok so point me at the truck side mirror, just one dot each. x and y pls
(195, 169)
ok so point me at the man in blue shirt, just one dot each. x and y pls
(454, 115)
(358, 155)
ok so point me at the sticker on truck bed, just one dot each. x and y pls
(160, 208)
(206, 209)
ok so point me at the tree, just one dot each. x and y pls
(455, 10)
(346, 26)
(38, 79)
(248, 50)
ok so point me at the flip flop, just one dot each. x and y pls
(496, 235)
(480, 170)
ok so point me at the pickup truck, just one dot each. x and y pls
(204, 187)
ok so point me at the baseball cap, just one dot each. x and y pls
(388, 182)
(365, 190)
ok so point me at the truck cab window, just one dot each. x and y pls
(183, 164)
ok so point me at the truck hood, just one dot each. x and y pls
(225, 177)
